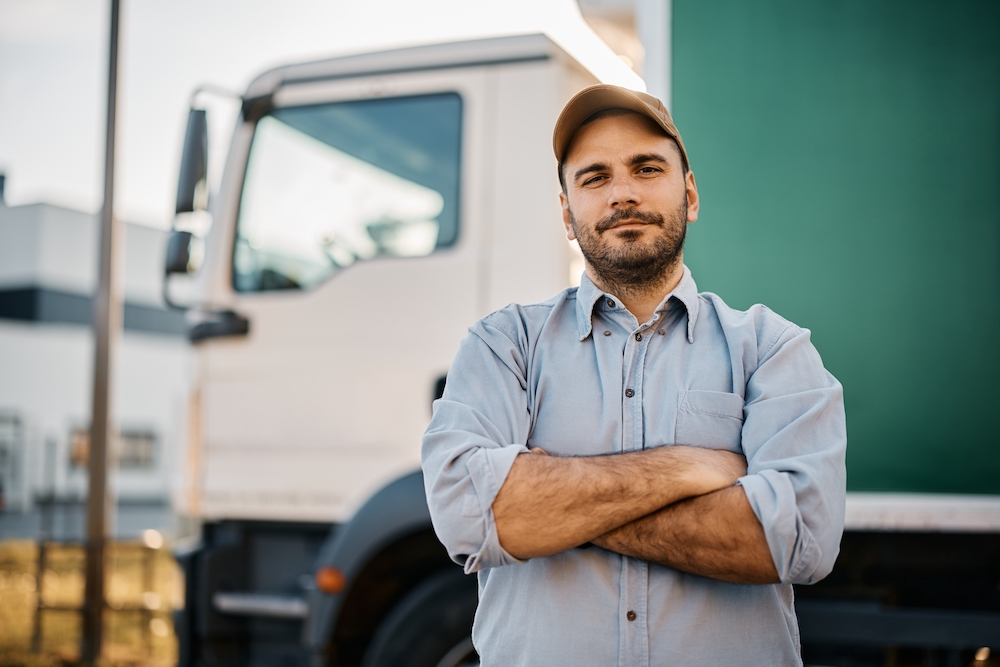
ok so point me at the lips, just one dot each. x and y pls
(628, 217)
(630, 221)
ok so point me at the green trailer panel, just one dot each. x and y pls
(848, 158)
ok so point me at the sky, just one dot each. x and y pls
(53, 77)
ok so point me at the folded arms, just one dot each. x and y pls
(675, 506)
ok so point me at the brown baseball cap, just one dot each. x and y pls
(603, 96)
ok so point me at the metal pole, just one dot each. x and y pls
(107, 328)
(36, 632)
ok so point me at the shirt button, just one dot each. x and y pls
(629, 393)
(662, 332)
(611, 303)
(607, 333)
(638, 336)
(630, 616)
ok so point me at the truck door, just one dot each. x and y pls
(354, 237)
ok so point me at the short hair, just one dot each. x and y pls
(614, 112)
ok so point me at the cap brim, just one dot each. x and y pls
(598, 98)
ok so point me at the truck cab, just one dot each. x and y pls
(371, 208)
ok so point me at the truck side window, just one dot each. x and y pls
(332, 184)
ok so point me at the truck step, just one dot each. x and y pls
(261, 604)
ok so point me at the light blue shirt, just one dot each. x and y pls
(577, 375)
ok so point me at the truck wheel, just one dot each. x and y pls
(430, 627)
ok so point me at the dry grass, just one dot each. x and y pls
(143, 586)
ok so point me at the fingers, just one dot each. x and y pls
(539, 450)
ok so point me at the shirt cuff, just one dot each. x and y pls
(794, 551)
(488, 470)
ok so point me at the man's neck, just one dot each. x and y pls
(642, 300)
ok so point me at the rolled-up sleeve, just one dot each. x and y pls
(479, 427)
(795, 441)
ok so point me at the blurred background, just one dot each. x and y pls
(848, 158)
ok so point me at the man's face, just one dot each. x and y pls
(627, 200)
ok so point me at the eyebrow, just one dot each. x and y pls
(638, 158)
(597, 166)
(647, 157)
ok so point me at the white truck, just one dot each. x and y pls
(371, 208)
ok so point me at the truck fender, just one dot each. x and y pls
(396, 510)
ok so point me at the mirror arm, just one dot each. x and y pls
(171, 304)
(176, 261)
(212, 89)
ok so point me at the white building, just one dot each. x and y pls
(48, 272)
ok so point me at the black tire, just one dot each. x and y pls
(430, 627)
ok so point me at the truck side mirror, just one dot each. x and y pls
(178, 252)
(194, 161)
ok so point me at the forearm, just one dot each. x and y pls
(715, 535)
(550, 504)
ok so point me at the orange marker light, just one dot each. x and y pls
(330, 580)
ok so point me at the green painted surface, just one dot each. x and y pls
(848, 159)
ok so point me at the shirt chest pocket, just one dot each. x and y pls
(711, 419)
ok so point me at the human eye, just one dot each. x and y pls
(649, 169)
(593, 180)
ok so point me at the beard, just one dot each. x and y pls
(634, 266)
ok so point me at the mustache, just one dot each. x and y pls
(628, 214)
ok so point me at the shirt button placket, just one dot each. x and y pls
(633, 642)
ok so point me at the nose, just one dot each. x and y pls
(623, 193)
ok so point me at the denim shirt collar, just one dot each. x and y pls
(686, 293)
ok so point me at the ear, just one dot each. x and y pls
(567, 222)
(691, 188)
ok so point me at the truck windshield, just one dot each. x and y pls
(329, 185)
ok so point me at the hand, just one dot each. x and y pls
(711, 469)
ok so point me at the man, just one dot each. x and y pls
(637, 472)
